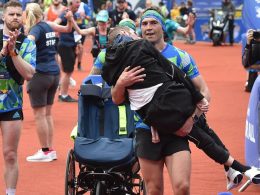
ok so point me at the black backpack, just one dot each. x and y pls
(9, 62)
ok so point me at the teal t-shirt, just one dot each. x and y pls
(11, 94)
(171, 28)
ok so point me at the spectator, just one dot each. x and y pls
(229, 9)
(98, 33)
(66, 50)
(164, 9)
(83, 15)
(117, 14)
(192, 35)
(250, 58)
(43, 85)
(175, 12)
(109, 6)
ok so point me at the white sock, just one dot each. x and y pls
(10, 191)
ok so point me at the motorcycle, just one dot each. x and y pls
(218, 24)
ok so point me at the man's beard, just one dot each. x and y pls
(56, 4)
(13, 27)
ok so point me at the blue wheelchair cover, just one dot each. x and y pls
(104, 151)
(94, 96)
(103, 146)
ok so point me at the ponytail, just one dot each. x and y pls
(33, 15)
(30, 20)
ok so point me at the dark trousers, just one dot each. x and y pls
(251, 80)
(207, 140)
(231, 30)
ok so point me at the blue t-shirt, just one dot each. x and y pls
(67, 39)
(45, 44)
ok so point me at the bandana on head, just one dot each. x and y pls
(128, 23)
(155, 15)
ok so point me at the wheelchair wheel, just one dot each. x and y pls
(100, 188)
(70, 174)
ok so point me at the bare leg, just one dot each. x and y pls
(155, 135)
(65, 84)
(50, 126)
(11, 131)
(153, 179)
(41, 125)
(179, 169)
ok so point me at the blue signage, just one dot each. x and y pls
(252, 145)
(251, 14)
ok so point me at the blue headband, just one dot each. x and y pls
(155, 15)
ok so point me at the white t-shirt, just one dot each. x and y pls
(140, 97)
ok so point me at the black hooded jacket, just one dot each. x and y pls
(183, 94)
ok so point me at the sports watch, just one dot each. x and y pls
(14, 52)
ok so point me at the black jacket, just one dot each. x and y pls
(142, 53)
(173, 102)
(251, 54)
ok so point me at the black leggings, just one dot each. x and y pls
(207, 140)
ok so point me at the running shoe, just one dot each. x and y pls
(234, 178)
(40, 156)
(253, 174)
(68, 98)
(53, 154)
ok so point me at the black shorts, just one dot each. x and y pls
(168, 145)
(68, 58)
(13, 115)
(42, 88)
(57, 39)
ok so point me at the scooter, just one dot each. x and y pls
(218, 24)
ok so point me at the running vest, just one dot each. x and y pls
(96, 44)
(9, 62)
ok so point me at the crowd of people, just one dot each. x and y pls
(42, 42)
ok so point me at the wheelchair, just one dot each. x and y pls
(103, 160)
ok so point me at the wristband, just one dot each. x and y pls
(13, 53)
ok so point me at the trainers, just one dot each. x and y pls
(68, 98)
(40, 156)
(234, 178)
(53, 154)
(253, 174)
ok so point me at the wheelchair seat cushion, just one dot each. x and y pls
(104, 151)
